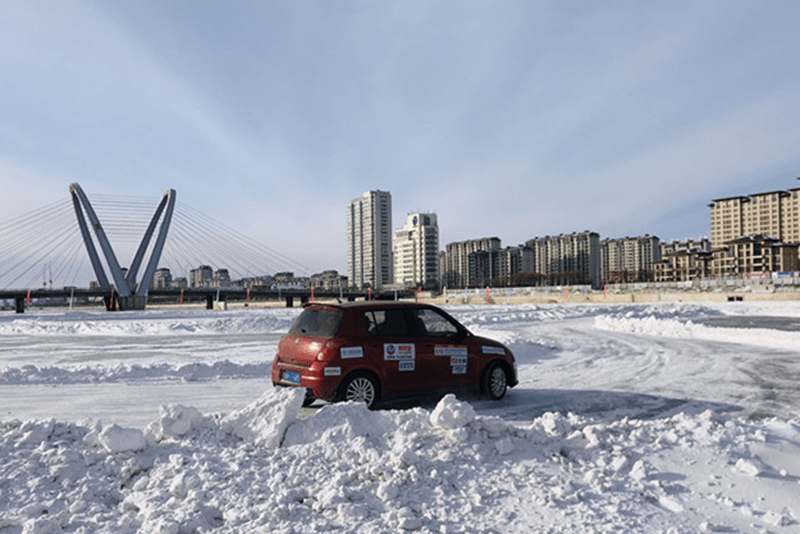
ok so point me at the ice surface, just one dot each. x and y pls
(635, 418)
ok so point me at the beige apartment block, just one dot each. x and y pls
(683, 265)
(629, 259)
(754, 255)
(460, 262)
(775, 214)
(567, 258)
(513, 262)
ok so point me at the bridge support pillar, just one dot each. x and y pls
(20, 304)
(289, 302)
(209, 302)
(133, 302)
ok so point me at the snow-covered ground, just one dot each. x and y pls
(635, 418)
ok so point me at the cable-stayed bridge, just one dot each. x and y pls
(55, 250)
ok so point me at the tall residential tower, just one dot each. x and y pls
(416, 252)
(369, 240)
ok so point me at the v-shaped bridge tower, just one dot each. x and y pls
(130, 295)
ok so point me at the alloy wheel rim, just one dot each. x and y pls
(497, 381)
(361, 389)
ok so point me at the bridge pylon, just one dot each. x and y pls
(127, 293)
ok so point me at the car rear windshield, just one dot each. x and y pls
(317, 322)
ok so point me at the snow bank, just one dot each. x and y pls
(264, 422)
(644, 322)
(176, 322)
(353, 470)
(91, 374)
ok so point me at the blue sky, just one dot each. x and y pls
(513, 119)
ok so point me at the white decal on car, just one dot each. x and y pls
(450, 350)
(458, 360)
(492, 350)
(333, 371)
(351, 352)
(406, 365)
(459, 369)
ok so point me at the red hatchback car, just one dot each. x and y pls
(368, 351)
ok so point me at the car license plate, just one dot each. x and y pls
(293, 377)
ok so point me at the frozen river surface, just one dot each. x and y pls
(597, 359)
(669, 417)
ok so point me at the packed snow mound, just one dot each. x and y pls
(265, 421)
(450, 413)
(178, 323)
(649, 325)
(263, 469)
(91, 374)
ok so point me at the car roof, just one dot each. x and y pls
(369, 304)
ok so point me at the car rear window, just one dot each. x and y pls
(317, 322)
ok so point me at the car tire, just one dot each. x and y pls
(494, 381)
(359, 387)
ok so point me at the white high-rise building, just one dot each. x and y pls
(369, 240)
(416, 252)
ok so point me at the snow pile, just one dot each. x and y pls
(177, 322)
(644, 322)
(264, 422)
(262, 469)
(90, 374)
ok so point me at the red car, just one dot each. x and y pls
(368, 351)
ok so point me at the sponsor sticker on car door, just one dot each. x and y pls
(398, 351)
(450, 350)
(457, 355)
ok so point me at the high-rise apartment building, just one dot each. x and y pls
(512, 261)
(416, 252)
(567, 259)
(462, 267)
(629, 259)
(369, 240)
(775, 214)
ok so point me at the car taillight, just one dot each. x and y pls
(328, 352)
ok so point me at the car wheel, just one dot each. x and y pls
(359, 387)
(494, 381)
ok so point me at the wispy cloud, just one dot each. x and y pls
(513, 119)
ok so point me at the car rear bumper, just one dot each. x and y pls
(322, 387)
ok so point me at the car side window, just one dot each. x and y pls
(431, 323)
(385, 322)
